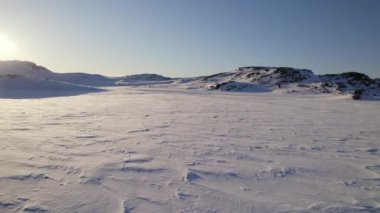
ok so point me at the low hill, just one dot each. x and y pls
(30, 69)
(290, 80)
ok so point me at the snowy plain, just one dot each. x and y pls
(179, 150)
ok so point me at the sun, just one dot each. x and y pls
(7, 46)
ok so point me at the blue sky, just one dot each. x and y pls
(193, 37)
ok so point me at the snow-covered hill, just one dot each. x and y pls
(290, 80)
(30, 69)
(243, 79)
(19, 86)
(23, 79)
(143, 79)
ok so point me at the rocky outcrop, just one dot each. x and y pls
(292, 80)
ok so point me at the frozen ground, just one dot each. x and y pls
(175, 150)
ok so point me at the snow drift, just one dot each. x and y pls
(19, 86)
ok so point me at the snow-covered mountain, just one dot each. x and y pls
(290, 80)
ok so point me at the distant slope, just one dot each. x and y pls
(23, 79)
(143, 79)
(19, 86)
(32, 70)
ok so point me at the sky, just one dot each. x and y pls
(182, 38)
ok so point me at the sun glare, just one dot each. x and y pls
(7, 46)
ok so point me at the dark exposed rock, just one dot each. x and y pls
(306, 81)
(357, 94)
(355, 77)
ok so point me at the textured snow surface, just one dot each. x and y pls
(174, 150)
